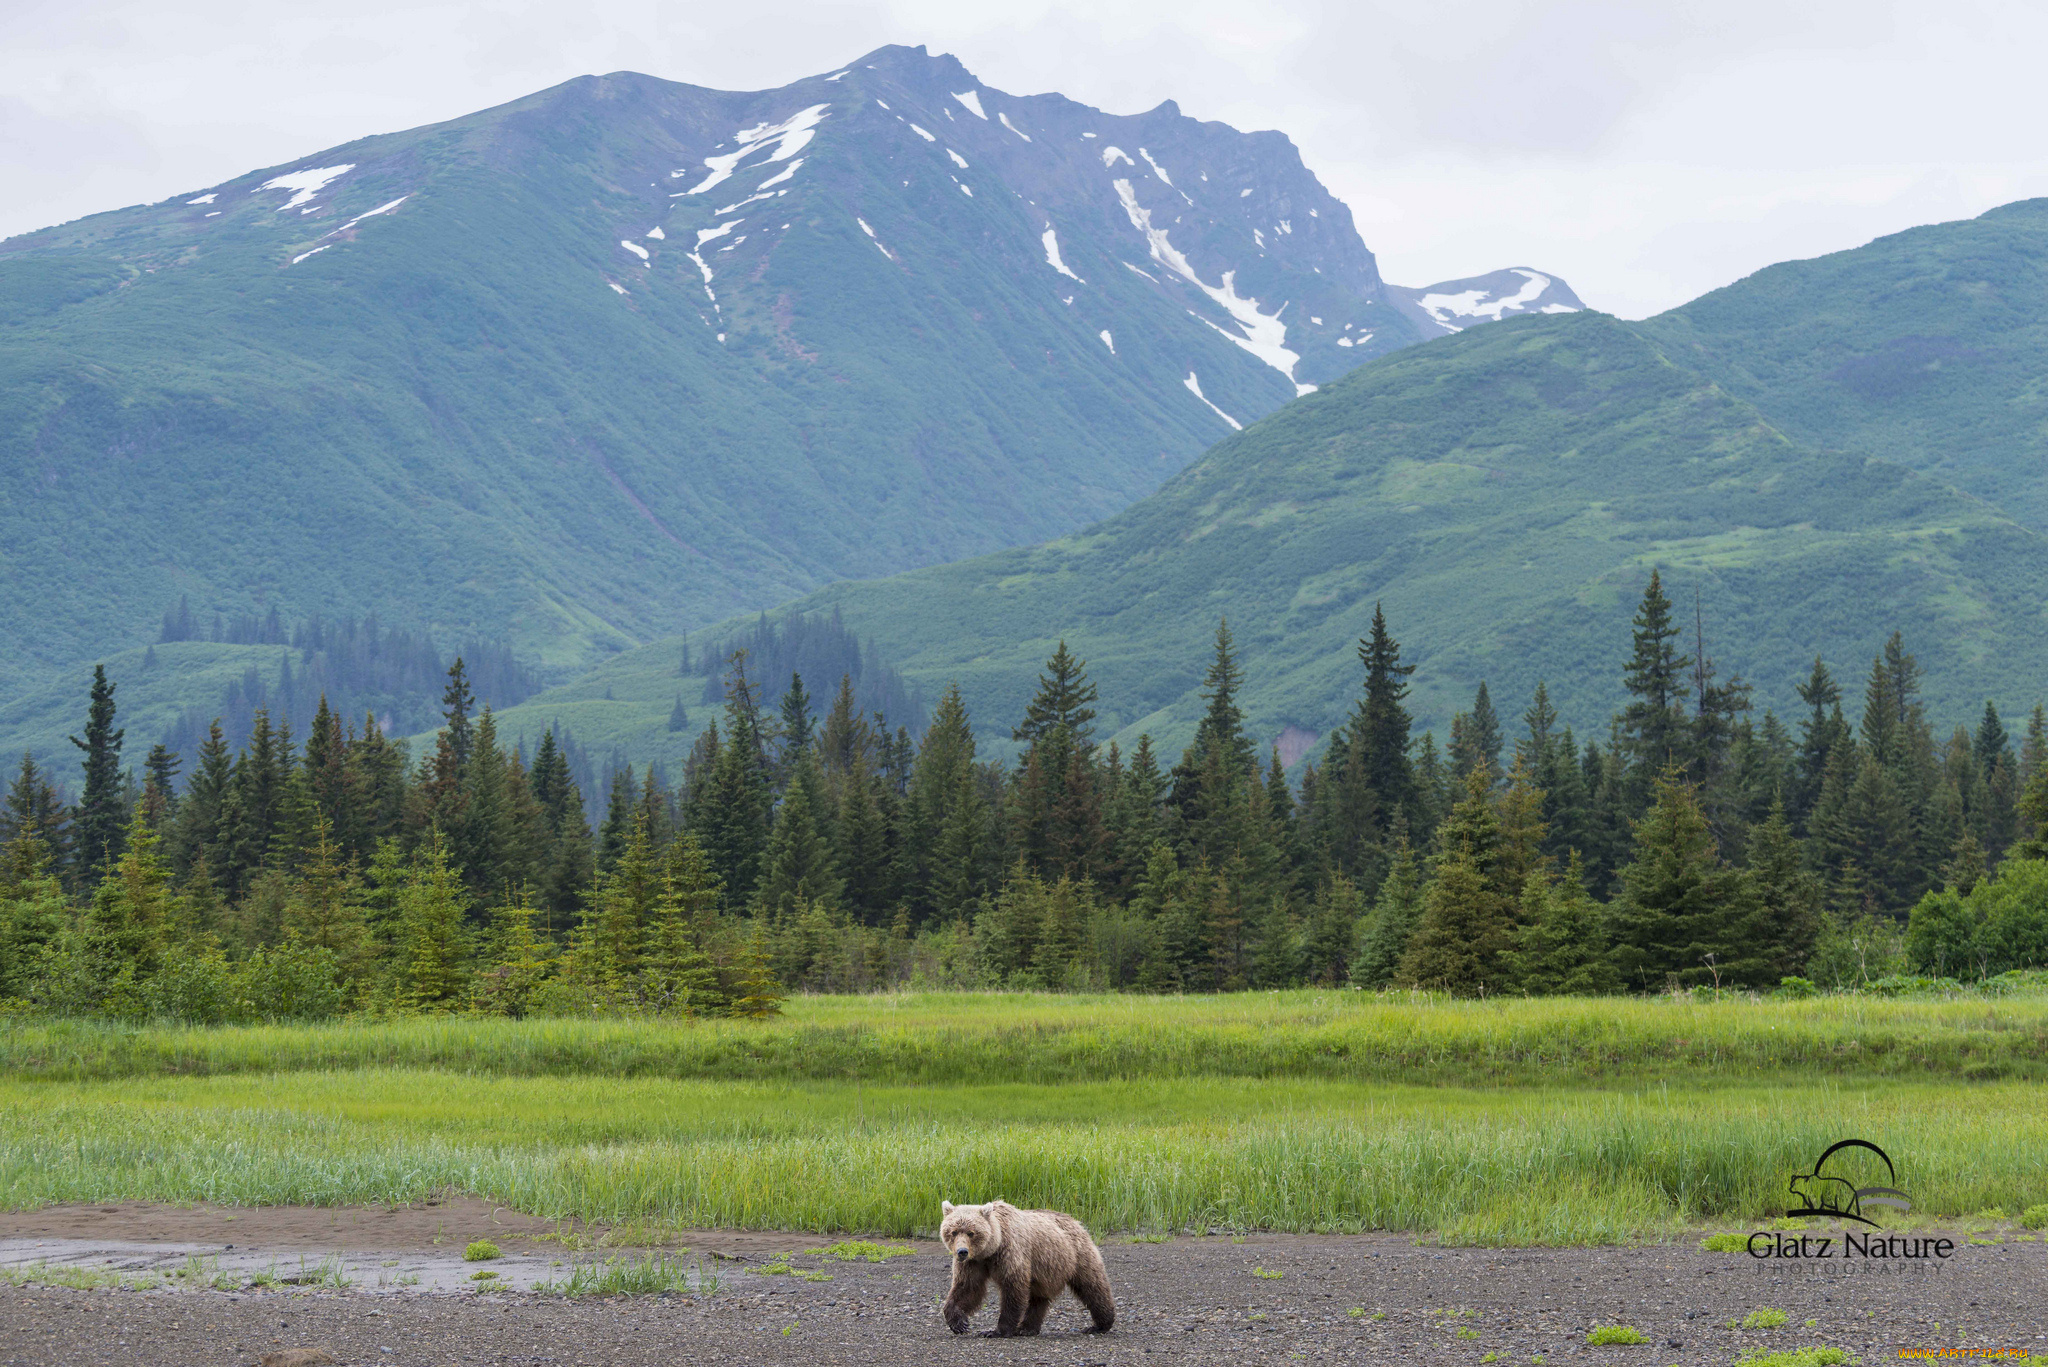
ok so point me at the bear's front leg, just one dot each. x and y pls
(970, 1285)
(1016, 1298)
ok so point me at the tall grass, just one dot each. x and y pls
(962, 1039)
(1515, 1166)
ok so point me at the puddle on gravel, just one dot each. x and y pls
(222, 1267)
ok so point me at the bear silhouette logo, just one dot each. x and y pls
(1833, 1194)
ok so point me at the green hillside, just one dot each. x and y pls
(1506, 492)
(1924, 348)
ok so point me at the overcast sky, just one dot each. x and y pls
(1643, 149)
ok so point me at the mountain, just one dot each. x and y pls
(1823, 453)
(628, 356)
(1925, 348)
(1454, 305)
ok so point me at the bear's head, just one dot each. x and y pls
(972, 1233)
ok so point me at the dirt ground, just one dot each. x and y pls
(1212, 1299)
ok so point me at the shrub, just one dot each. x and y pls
(2035, 1217)
(482, 1251)
(852, 1249)
(294, 981)
(1765, 1319)
(1614, 1335)
(1797, 1357)
(1796, 987)
(1725, 1243)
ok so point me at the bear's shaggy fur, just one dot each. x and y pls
(1031, 1256)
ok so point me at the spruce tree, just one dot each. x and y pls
(1461, 943)
(798, 866)
(1476, 738)
(253, 802)
(520, 960)
(1680, 904)
(731, 813)
(1379, 731)
(795, 729)
(326, 765)
(98, 826)
(679, 975)
(609, 945)
(1384, 934)
(1469, 918)
(1062, 702)
(33, 821)
(1563, 948)
(1653, 724)
(324, 908)
(485, 845)
(432, 941)
(1177, 900)
(127, 928)
(442, 793)
(759, 995)
(943, 770)
(863, 851)
(617, 826)
(160, 786)
(1789, 899)
(1332, 933)
(1211, 783)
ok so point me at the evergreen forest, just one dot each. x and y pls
(813, 846)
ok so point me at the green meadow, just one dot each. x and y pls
(1550, 1122)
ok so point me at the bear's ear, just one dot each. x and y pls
(945, 1207)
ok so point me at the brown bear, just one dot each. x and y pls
(1031, 1256)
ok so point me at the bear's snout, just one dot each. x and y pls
(961, 1254)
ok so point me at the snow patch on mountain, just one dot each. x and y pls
(958, 160)
(1468, 305)
(305, 184)
(971, 101)
(1112, 155)
(1052, 255)
(1265, 336)
(1454, 305)
(634, 247)
(922, 134)
(1004, 119)
(1194, 387)
(381, 209)
(203, 199)
(1108, 340)
(786, 139)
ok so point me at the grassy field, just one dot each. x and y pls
(977, 1038)
(1521, 1122)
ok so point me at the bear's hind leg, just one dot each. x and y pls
(1091, 1285)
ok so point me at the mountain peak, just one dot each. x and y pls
(605, 345)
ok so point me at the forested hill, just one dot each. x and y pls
(1818, 454)
(628, 356)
